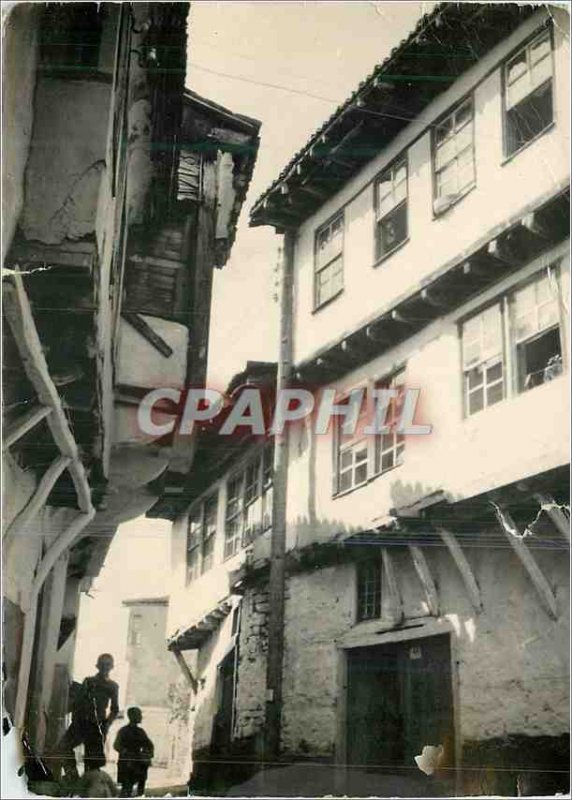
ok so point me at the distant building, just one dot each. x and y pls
(151, 670)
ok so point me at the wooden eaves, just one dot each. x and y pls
(444, 44)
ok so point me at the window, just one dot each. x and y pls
(536, 331)
(528, 93)
(233, 524)
(249, 502)
(531, 317)
(252, 502)
(391, 209)
(135, 633)
(368, 589)
(267, 486)
(209, 532)
(329, 276)
(360, 456)
(353, 453)
(70, 37)
(454, 156)
(194, 544)
(483, 361)
(390, 446)
(201, 537)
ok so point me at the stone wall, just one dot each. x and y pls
(511, 659)
(251, 679)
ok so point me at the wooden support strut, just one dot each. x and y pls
(464, 568)
(535, 574)
(21, 321)
(38, 499)
(392, 587)
(185, 669)
(21, 426)
(555, 513)
(424, 573)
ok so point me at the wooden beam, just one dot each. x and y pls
(24, 424)
(372, 333)
(555, 513)
(391, 581)
(534, 225)
(429, 298)
(21, 321)
(45, 486)
(464, 568)
(185, 669)
(397, 316)
(535, 574)
(496, 250)
(143, 327)
(63, 542)
(424, 573)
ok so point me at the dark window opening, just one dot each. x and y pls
(539, 359)
(70, 36)
(391, 209)
(369, 590)
(528, 92)
(529, 118)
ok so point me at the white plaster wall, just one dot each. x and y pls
(205, 704)
(19, 53)
(67, 159)
(512, 659)
(19, 560)
(502, 191)
(188, 602)
(140, 364)
(520, 436)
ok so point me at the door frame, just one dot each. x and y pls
(418, 628)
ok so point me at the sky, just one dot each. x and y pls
(239, 53)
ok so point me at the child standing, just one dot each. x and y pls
(136, 751)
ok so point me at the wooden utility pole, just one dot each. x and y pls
(278, 542)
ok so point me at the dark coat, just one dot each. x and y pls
(136, 751)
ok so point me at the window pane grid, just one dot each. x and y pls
(209, 532)
(328, 280)
(368, 590)
(353, 465)
(391, 209)
(454, 153)
(528, 70)
(234, 517)
(193, 544)
(390, 447)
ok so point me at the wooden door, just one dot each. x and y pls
(399, 699)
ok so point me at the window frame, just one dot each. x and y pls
(264, 489)
(193, 570)
(199, 508)
(545, 29)
(389, 383)
(505, 301)
(500, 304)
(373, 441)
(393, 166)
(552, 273)
(317, 304)
(438, 209)
(368, 564)
(209, 533)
